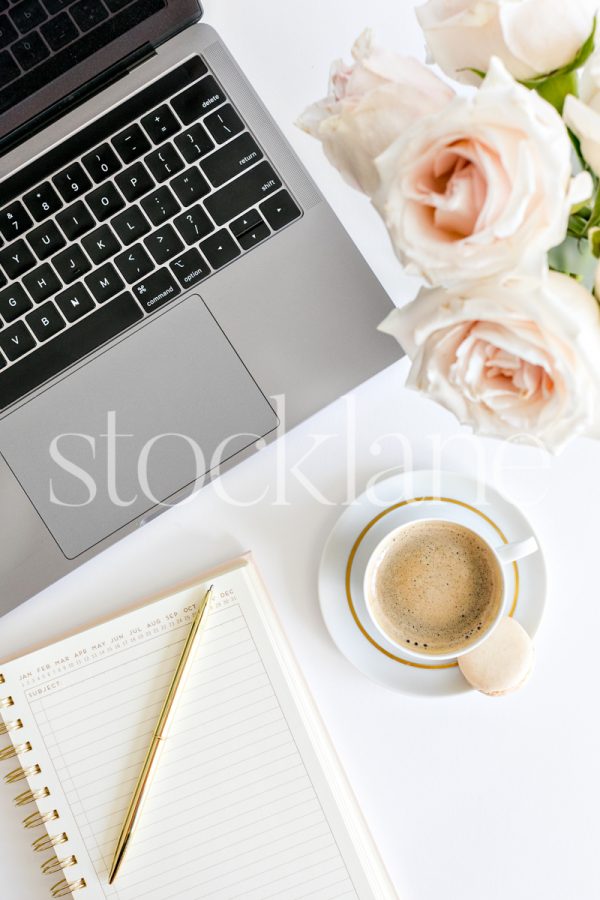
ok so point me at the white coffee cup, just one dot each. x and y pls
(504, 555)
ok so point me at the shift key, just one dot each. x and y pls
(242, 193)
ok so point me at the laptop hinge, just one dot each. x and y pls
(81, 95)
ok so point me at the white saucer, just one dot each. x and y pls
(401, 499)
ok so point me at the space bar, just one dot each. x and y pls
(67, 348)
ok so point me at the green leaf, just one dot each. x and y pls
(594, 239)
(557, 88)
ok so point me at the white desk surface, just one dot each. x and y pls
(470, 797)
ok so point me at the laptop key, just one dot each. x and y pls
(42, 202)
(120, 25)
(42, 283)
(55, 6)
(27, 15)
(16, 259)
(105, 201)
(8, 32)
(131, 143)
(14, 220)
(246, 191)
(14, 302)
(194, 224)
(160, 124)
(224, 124)
(164, 244)
(190, 268)
(116, 5)
(15, 341)
(30, 51)
(156, 290)
(190, 186)
(230, 160)
(76, 220)
(72, 182)
(104, 283)
(45, 321)
(134, 263)
(45, 240)
(131, 225)
(2, 361)
(194, 143)
(220, 249)
(75, 302)
(67, 348)
(134, 182)
(249, 239)
(9, 70)
(59, 31)
(71, 264)
(160, 206)
(101, 244)
(280, 210)
(164, 163)
(198, 99)
(88, 13)
(102, 162)
(249, 220)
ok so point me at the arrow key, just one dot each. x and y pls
(250, 238)
(244, 223)
(219, 248)
(279, 210)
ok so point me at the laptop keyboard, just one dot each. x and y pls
(122, 217)
(56, 35)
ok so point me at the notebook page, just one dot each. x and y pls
(240, 807)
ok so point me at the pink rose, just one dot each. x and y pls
(531, 37)
(370, 103)
(515, 358)
(482, 187)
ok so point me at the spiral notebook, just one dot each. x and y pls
(249, 802)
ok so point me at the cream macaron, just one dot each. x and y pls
(502, 663)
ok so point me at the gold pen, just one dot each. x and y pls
(160, 735)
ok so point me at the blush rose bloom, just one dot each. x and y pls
(483, 187)
(370, 103)
(531, 37)
(518, 358)
(582, 116)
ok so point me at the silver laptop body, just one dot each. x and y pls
(188, 389)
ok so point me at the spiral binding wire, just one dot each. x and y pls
(47, 842)
(21, 774)
(54, 865)
(65, 888)
(31, 796)
(7, 727)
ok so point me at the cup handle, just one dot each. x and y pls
(509, 553)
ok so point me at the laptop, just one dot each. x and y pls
(174, 290)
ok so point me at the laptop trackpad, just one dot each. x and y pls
(135, 425)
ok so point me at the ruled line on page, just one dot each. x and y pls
(233, 801)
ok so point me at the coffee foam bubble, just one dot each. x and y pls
(435, 587)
